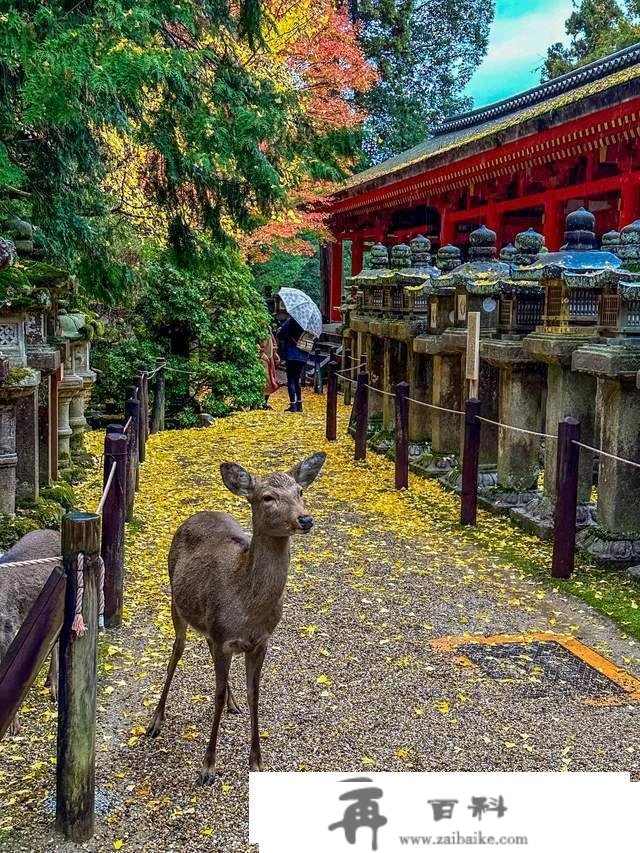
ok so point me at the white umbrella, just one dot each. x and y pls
(303, 310)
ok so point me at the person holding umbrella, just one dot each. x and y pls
(296, 335)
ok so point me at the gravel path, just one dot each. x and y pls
(352, 680)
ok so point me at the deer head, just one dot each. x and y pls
(277, 500)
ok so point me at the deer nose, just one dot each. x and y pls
(305, 522)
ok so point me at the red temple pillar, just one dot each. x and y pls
(335, 292)
(553, 224)
(357, 255)
(493, 220)
(629, 201)
(447, 228)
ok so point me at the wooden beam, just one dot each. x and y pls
(30, 647)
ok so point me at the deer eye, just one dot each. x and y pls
(268, 499)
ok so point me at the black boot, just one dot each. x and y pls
(298, 405)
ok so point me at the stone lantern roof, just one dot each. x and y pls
(482, 272)
(577, 259)
(421, 270)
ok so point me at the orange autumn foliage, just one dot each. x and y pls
(312, 48)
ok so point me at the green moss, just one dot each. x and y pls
(12, 528)
(16, 375)
(597, 532)
(61, 493)
(45, 513)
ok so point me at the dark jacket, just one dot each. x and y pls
(288, 334)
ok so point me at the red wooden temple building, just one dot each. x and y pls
(523, 162)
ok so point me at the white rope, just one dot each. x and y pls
(107, 486)
(516, 429)
(433, 406)
(39, 562)
(177, 370)
(127, 425)
(604, 453)
(347, 370)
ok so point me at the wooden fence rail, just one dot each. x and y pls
(31, 646)
(86, 538)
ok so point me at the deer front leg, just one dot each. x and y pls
(254, 660)
(232, 705)
(222, 663)
(180, 627)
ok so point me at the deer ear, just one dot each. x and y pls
(236, 479)
(305, 472)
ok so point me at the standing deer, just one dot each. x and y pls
(229, 586)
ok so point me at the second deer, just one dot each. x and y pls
(229, 586)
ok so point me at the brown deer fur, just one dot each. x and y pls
(229, 586)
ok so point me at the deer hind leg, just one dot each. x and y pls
(52, 675)
(254, 660)
(223, 664)
(232, 705)
(180, 627)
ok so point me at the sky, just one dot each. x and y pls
(520, 34)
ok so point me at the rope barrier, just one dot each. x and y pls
(433, 406)
(379, 391)
(107, 486)
(604, 453)
(127, 425)
(347, 370)
(177, 370)
(410, 399)
(41, 561)
(516, 429)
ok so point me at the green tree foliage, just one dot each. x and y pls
(595, 28)
(207, 313)
(140, 141)
(168, 83)
(426, 53)
(285, 270)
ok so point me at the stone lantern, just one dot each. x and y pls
(76, 383)
(521, 302)
(476, 282)
(575, 280)
(418, 279)
(615, 363)
(18, 453)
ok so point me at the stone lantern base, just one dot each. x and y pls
(538, 516)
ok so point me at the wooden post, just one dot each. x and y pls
(362, 416)
(317, 377)
(132, 410)
(402, 435)
(472, 366)
(348, 375)
(113, 516)
(564, 533)
(142, 430)
(470, 462)
(147, 413)
(75, 770)
(157, 414)
(332, 402)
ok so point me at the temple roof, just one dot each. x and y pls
(578, 89)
